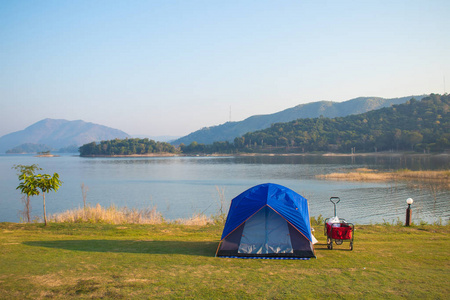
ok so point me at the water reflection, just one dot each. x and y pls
(394, 162)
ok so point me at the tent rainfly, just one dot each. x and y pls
(267, 221)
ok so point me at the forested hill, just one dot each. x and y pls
(230, 130)
(416, 125)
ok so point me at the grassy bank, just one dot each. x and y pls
(79, 260)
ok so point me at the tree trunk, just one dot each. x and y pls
(45, 214)
(27, 209)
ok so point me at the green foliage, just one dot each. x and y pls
(47, 183)
(26, 186)
(317, 221)
(34, 184)
(126, 147)
(394, 222)
(25, 169)
(216, 147)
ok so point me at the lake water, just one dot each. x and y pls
(183, 186)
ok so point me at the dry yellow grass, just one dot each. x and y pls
(363, 174)
(110, 215)
(424, 175)
(364, 170)
(197, 219)
(115, 215)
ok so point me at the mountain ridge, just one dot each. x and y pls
(59, 133)
(230, 130)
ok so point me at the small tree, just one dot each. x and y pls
(25, 187)
(46, 183)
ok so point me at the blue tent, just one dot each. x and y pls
(267, 221)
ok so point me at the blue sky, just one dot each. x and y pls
(172, 67)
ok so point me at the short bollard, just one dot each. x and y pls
(409, 201)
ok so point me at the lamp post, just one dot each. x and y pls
(409, 201)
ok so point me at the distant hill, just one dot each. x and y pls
(421, 126)
(29, 148)
(412, 126)
(230, 130)
(57, 134)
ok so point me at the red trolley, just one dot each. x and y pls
(338, 230)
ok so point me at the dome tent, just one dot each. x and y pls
(267, 221)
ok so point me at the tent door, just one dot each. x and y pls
(266, 232)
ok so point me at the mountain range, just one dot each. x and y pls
(230, 130)
(56, 134)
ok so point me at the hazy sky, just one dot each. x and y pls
(172, 67)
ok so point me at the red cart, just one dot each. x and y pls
(338, 230)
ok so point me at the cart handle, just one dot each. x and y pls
(333, 200)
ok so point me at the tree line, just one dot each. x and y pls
(126, 147)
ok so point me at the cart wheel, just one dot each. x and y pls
(351, 246)
(329, 243)
(338, 242)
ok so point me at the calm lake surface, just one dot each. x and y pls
(182, 186)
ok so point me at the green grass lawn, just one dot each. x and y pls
(174, 261)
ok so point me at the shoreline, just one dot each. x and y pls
(369, 154)
(135, 155)
(328, 154)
